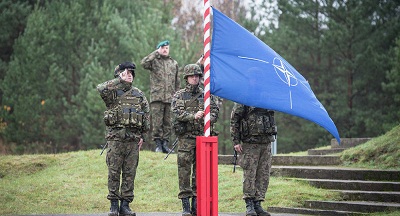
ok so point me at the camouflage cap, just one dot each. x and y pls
(191, 69)
(126, 65)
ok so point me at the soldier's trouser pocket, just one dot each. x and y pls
(111, 151)
(245, 161)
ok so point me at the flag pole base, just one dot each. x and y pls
(207, 175)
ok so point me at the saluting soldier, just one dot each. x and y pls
(252, 132)
(127, 120)
(164, 82)
(188, 122)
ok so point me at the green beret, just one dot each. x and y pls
(163, 43)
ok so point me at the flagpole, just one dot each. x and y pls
(207, 146)
(207, 39)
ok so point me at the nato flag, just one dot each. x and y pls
(246, 70)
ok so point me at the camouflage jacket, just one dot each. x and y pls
(164, 76)
(252, 125)
(113, 92)
(183, 113)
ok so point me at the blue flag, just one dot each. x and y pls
(246, 70)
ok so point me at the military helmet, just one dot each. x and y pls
(126, 65)
(191, 69)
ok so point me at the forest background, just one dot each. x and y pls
(53, 53)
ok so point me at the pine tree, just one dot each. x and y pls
(68, 48)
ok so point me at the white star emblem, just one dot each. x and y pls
(284, 74)
(282, 69)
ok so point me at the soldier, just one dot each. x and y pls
(188, 120)
(252, 131)
(127, 120)
(164, 82)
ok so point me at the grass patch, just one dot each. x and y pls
(76, 182)
(16, 166)
(382, 152)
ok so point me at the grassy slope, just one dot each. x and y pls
(76, 182)
(382, 152)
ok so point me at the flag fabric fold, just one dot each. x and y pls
(246, 70)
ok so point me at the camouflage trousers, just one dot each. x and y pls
(187, 168)
(255, 161)
(160, 120)
(122, 158)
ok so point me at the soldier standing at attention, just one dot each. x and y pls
(127, 120)
(252, 131)
(188, 122)
(164, 82)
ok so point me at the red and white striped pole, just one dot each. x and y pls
(207, 41)
(207, 146)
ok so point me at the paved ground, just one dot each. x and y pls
(165, 214)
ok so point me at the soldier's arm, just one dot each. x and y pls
(108, 90)
(148, 60)
(236, 116)
(146, 116)
(177, 79)
(214, 110)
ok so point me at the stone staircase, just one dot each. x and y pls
(362, 191)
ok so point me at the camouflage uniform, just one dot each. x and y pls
(184, 107)
(127, 120)
(253, 128)
(164, 82)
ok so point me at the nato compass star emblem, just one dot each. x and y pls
(283, 71)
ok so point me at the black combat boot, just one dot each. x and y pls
(114, 208)
(186, 207)
(124, 210)
(250, 208)
(259, 210)
(194, 206)
(159, 145)
(165, 148)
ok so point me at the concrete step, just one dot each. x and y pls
(315, 172)
(357, 185)
(324, 151)
(354, 206)
(348, 142)
(308, 211)
(375, 196)
(315, 160)
(309, 160)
